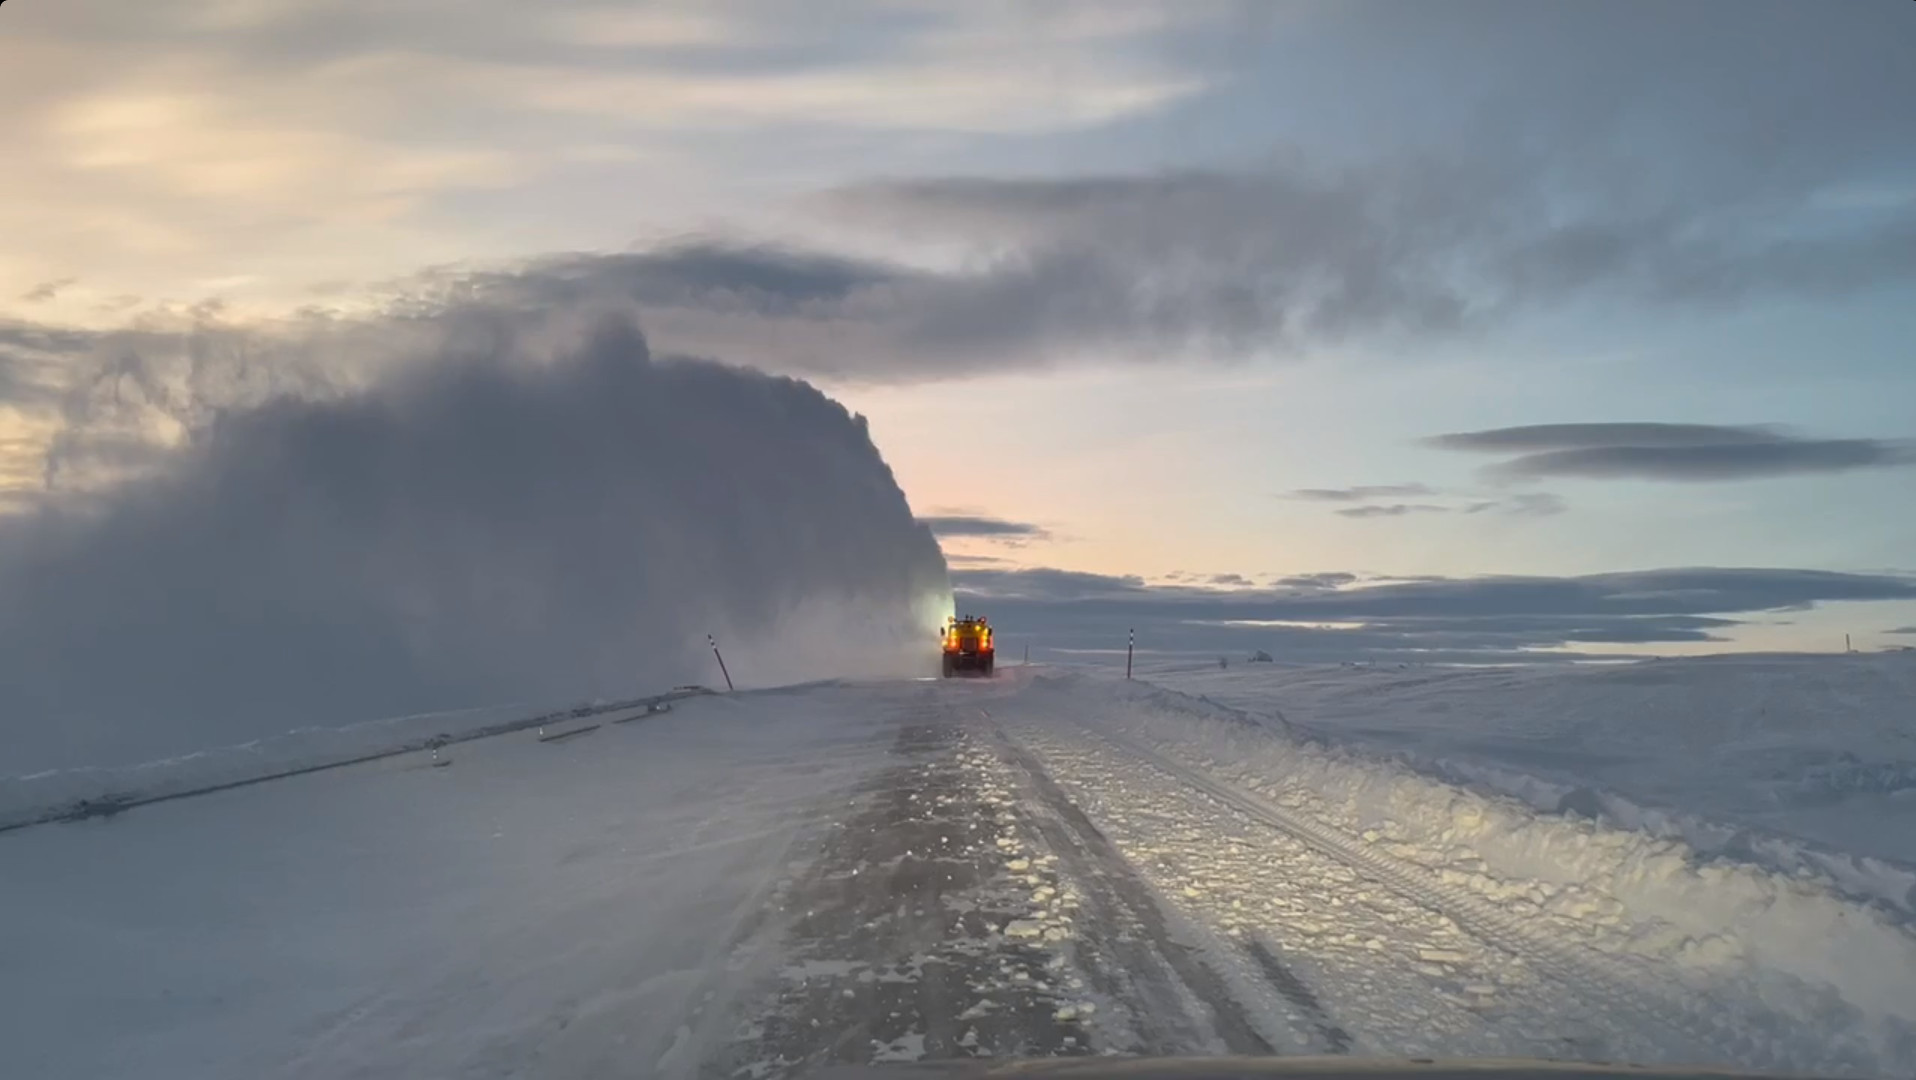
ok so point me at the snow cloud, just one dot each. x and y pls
(505, 519)
(1655, 451)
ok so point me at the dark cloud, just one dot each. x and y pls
(961, 559)
(1335, 579)
(1572, 629)
(1691, 591)
(1653, 451)
(1227, 263)
(754, 280)
(39, 339)
(491, 526)
(34, 361)
(1215, 261)
(980, 526)
(46, 290)
(1392, 510)
(1618, 153)
(1045, 583)
(1275, 258)
(1525, 504)
(1653, 110)
(1359, 494)
(1729, 462)
(1154, 267)
(1536, 437)
(19, 382)
(1233, 580)
(13, 501)
(1488, 618)
(1624, 153)
(1531, 504)
(1902, 630)
(1479, 641)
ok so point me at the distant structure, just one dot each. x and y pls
(1260, 657)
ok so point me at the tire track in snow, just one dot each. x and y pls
(1366, 951)
(1336, 1039)
(910, 935)
(1116, 898)
(1616, 994)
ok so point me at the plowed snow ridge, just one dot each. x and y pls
(1641, 926)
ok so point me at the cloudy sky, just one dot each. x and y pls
(1459, 325)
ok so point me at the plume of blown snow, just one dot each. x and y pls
(487, 526)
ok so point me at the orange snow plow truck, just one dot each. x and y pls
(967, 644)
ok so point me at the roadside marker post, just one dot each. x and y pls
(721, 659)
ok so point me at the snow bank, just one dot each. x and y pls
(33, 796)
(503, 524)
(72, 794)
(564, 909)
(1804, 764)
(1805, 945)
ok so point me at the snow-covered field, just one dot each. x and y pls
(553, 909)
(1053, 862)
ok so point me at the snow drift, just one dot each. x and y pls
(1801, 763)
(1805, 947)
(506, 524)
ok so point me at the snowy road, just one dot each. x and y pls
(1035, 865)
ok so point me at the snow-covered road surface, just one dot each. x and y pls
(1040, 864)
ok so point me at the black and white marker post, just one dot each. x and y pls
(721, 660)
(1130, 642)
